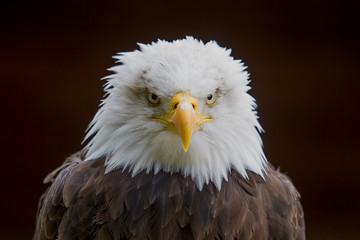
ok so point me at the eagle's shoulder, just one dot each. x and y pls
(281, 202)
(55, 217)
(271, 205)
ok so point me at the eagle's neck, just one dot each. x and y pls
(211, 155)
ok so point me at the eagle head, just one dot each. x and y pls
(180, 106)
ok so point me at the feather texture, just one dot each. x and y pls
(85, 203)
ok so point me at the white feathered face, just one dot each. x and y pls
(178, 107)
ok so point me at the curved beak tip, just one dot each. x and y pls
(186, 146)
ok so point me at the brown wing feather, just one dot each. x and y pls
(85, 203)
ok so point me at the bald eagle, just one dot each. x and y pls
(174, 152)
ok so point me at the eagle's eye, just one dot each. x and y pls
(211, 99)
(153, 98)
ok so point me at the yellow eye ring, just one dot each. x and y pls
(153, 98)
(211, 99)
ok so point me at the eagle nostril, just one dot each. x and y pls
(176, 105)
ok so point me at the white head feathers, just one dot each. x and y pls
(124, 133)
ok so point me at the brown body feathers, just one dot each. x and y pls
(84, 203)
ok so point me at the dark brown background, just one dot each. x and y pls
(303, 57)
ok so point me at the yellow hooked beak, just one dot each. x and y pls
(183, 116)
